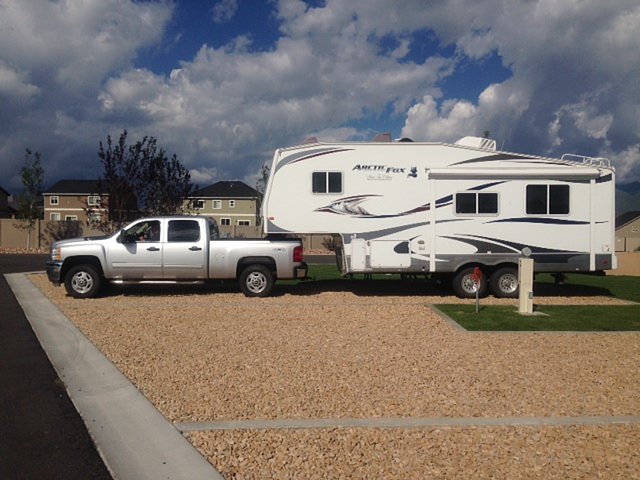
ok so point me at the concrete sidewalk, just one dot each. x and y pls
(132, 437)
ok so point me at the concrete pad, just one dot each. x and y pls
(134, 439)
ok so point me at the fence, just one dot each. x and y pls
(14, 234)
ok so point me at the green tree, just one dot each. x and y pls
(141, 179)
(32, 174)
(261, 185)
(166, 182)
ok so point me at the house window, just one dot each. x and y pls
(225, 221)
(217, 204)
(95, 216)
(55, 217)
(54, 200)
(93, 200)
(199, 204)
(244, 223)
(477, 203)
(70, 218)
(232, 204)
(326, 182)
(547, 199)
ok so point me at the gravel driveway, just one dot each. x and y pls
(205, 358)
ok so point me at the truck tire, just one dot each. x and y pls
(464, 285)
(256, 281)
(82, 281)
(504, 283)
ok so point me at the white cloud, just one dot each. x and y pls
(71, 65)
(54, 58)
(574, 87)
(224, 10)
(14, 84)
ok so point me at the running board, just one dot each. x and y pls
(157, 282)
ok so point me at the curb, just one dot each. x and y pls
(133, 438)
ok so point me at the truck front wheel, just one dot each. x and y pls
(256, 281)
(82, 281)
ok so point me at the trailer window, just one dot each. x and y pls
(326, 182)
(476, 203)
(547, 199)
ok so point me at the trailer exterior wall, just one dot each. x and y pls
(397, 206)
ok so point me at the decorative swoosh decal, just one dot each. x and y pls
(496, 245)
(351, 206)
(307, 154)
(548, 221)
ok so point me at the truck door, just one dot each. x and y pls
(185, 252)
(138, 252)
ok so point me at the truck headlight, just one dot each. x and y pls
(56, 254)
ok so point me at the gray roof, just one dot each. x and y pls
(227, 189)
(626, 218)
(84, 187)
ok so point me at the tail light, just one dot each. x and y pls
(297, 254)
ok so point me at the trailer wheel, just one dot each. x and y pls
(256, 281)
(82, 281)
(504, 283)
(464, 284)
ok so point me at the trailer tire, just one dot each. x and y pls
(256, 281)
(504, 283)
(464, 285)
(83, 281)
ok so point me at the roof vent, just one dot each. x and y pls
(310, 140)
(477, 142)
(382, 137)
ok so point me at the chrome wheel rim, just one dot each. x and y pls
(256, 282)
(508, 283)
(82, 282)
(468, 284)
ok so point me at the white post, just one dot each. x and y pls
(525, 282)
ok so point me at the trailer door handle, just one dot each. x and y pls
(195, 249)
(153, 249)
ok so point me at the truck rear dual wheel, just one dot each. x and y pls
(83, 281)
(256, 281)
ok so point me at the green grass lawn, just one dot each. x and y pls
(587, 318)
(591, 318)
(555, 317)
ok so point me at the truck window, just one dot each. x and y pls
(183, 231)
(214, 231)
(547, 199)
(148, 231)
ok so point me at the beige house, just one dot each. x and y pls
(229, 203)
(72, 199)
(628, 232)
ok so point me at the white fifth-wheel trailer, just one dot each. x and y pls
(445, 209)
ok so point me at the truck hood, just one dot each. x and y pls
(77, 241)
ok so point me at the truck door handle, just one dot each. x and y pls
(153, 249)
(195, 249)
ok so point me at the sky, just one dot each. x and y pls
(222, 84)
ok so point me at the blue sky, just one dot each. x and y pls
(224, 83)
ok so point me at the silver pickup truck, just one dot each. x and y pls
(173, 249)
